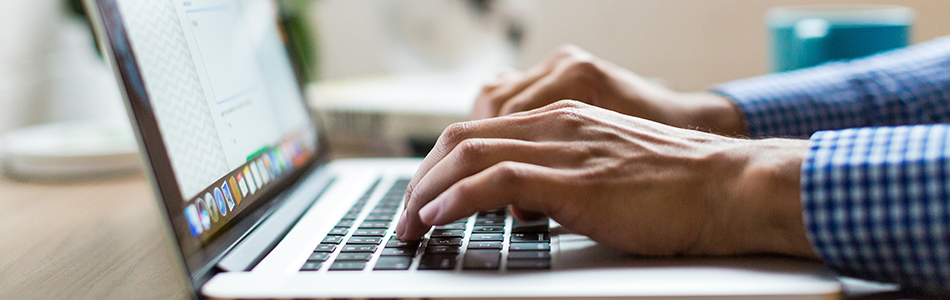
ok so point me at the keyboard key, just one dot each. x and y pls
(325, 248)
(492, 214)
(437, 262)
(451, 226)
(345, 224)
(488, 229)
(317, 256)
(354, 256)
(333, 239)
(364, 240)
(445, 242)
(393, 198)
(388, 204)
(385, 210)
(490, 222)
(529, 247)
(350, 216)
(447, 233)
(481, 260)
(487, 237)
(530, 226)
(339, 231)
(484, 245)
(359, 248)
(529, 255)
(399, 252)
(442, 249)
(396, 243)
(311, 266)
(497, 210)
(530, 237)
(529, 264)
(374, 225)
(347, 266)
(380, 217)
(370, 232)
(393, 263)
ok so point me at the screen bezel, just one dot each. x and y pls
(198, 259)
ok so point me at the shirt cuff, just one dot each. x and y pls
(797, 103)
(875, 205)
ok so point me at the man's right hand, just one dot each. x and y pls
(571, 73)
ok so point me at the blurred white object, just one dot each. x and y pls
(478, 36)
(70, 150)
(385, 113)
(27, 29)
(79, 84)
(367, 37)
(49, 69)
(431, 93)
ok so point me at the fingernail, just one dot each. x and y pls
(428, 213)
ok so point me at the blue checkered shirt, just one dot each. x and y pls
(875, 183)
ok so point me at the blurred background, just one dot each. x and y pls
(403, 69)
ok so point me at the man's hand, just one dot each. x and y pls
(571, 73)
(629, 183)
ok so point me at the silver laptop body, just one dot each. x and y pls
(257, 210)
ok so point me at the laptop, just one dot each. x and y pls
(257, 210)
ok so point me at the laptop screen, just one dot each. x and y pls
(226, 102)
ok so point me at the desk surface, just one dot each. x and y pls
(89, 240)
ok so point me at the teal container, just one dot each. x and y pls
(804, 36)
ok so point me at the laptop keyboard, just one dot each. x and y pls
(488, 241)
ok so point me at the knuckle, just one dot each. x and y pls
(456, 132)
(490, 87)
(584, 68)
(471, 149)
(570, 115)
(568, 105)
(507, 173)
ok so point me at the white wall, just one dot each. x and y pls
(689, 43)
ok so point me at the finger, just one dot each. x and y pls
(570, 79)
(545, 91)
(510, 128)
(508, 183)
(493, 96)
(518, 126)
(525, 215)
(475, 155)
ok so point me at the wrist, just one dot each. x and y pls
(714, 113)
(766, 200)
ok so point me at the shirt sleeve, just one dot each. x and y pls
(901, 87)
(876, 203)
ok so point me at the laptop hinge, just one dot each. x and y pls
(264, 237)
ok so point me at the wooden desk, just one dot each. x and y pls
(84, 240)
